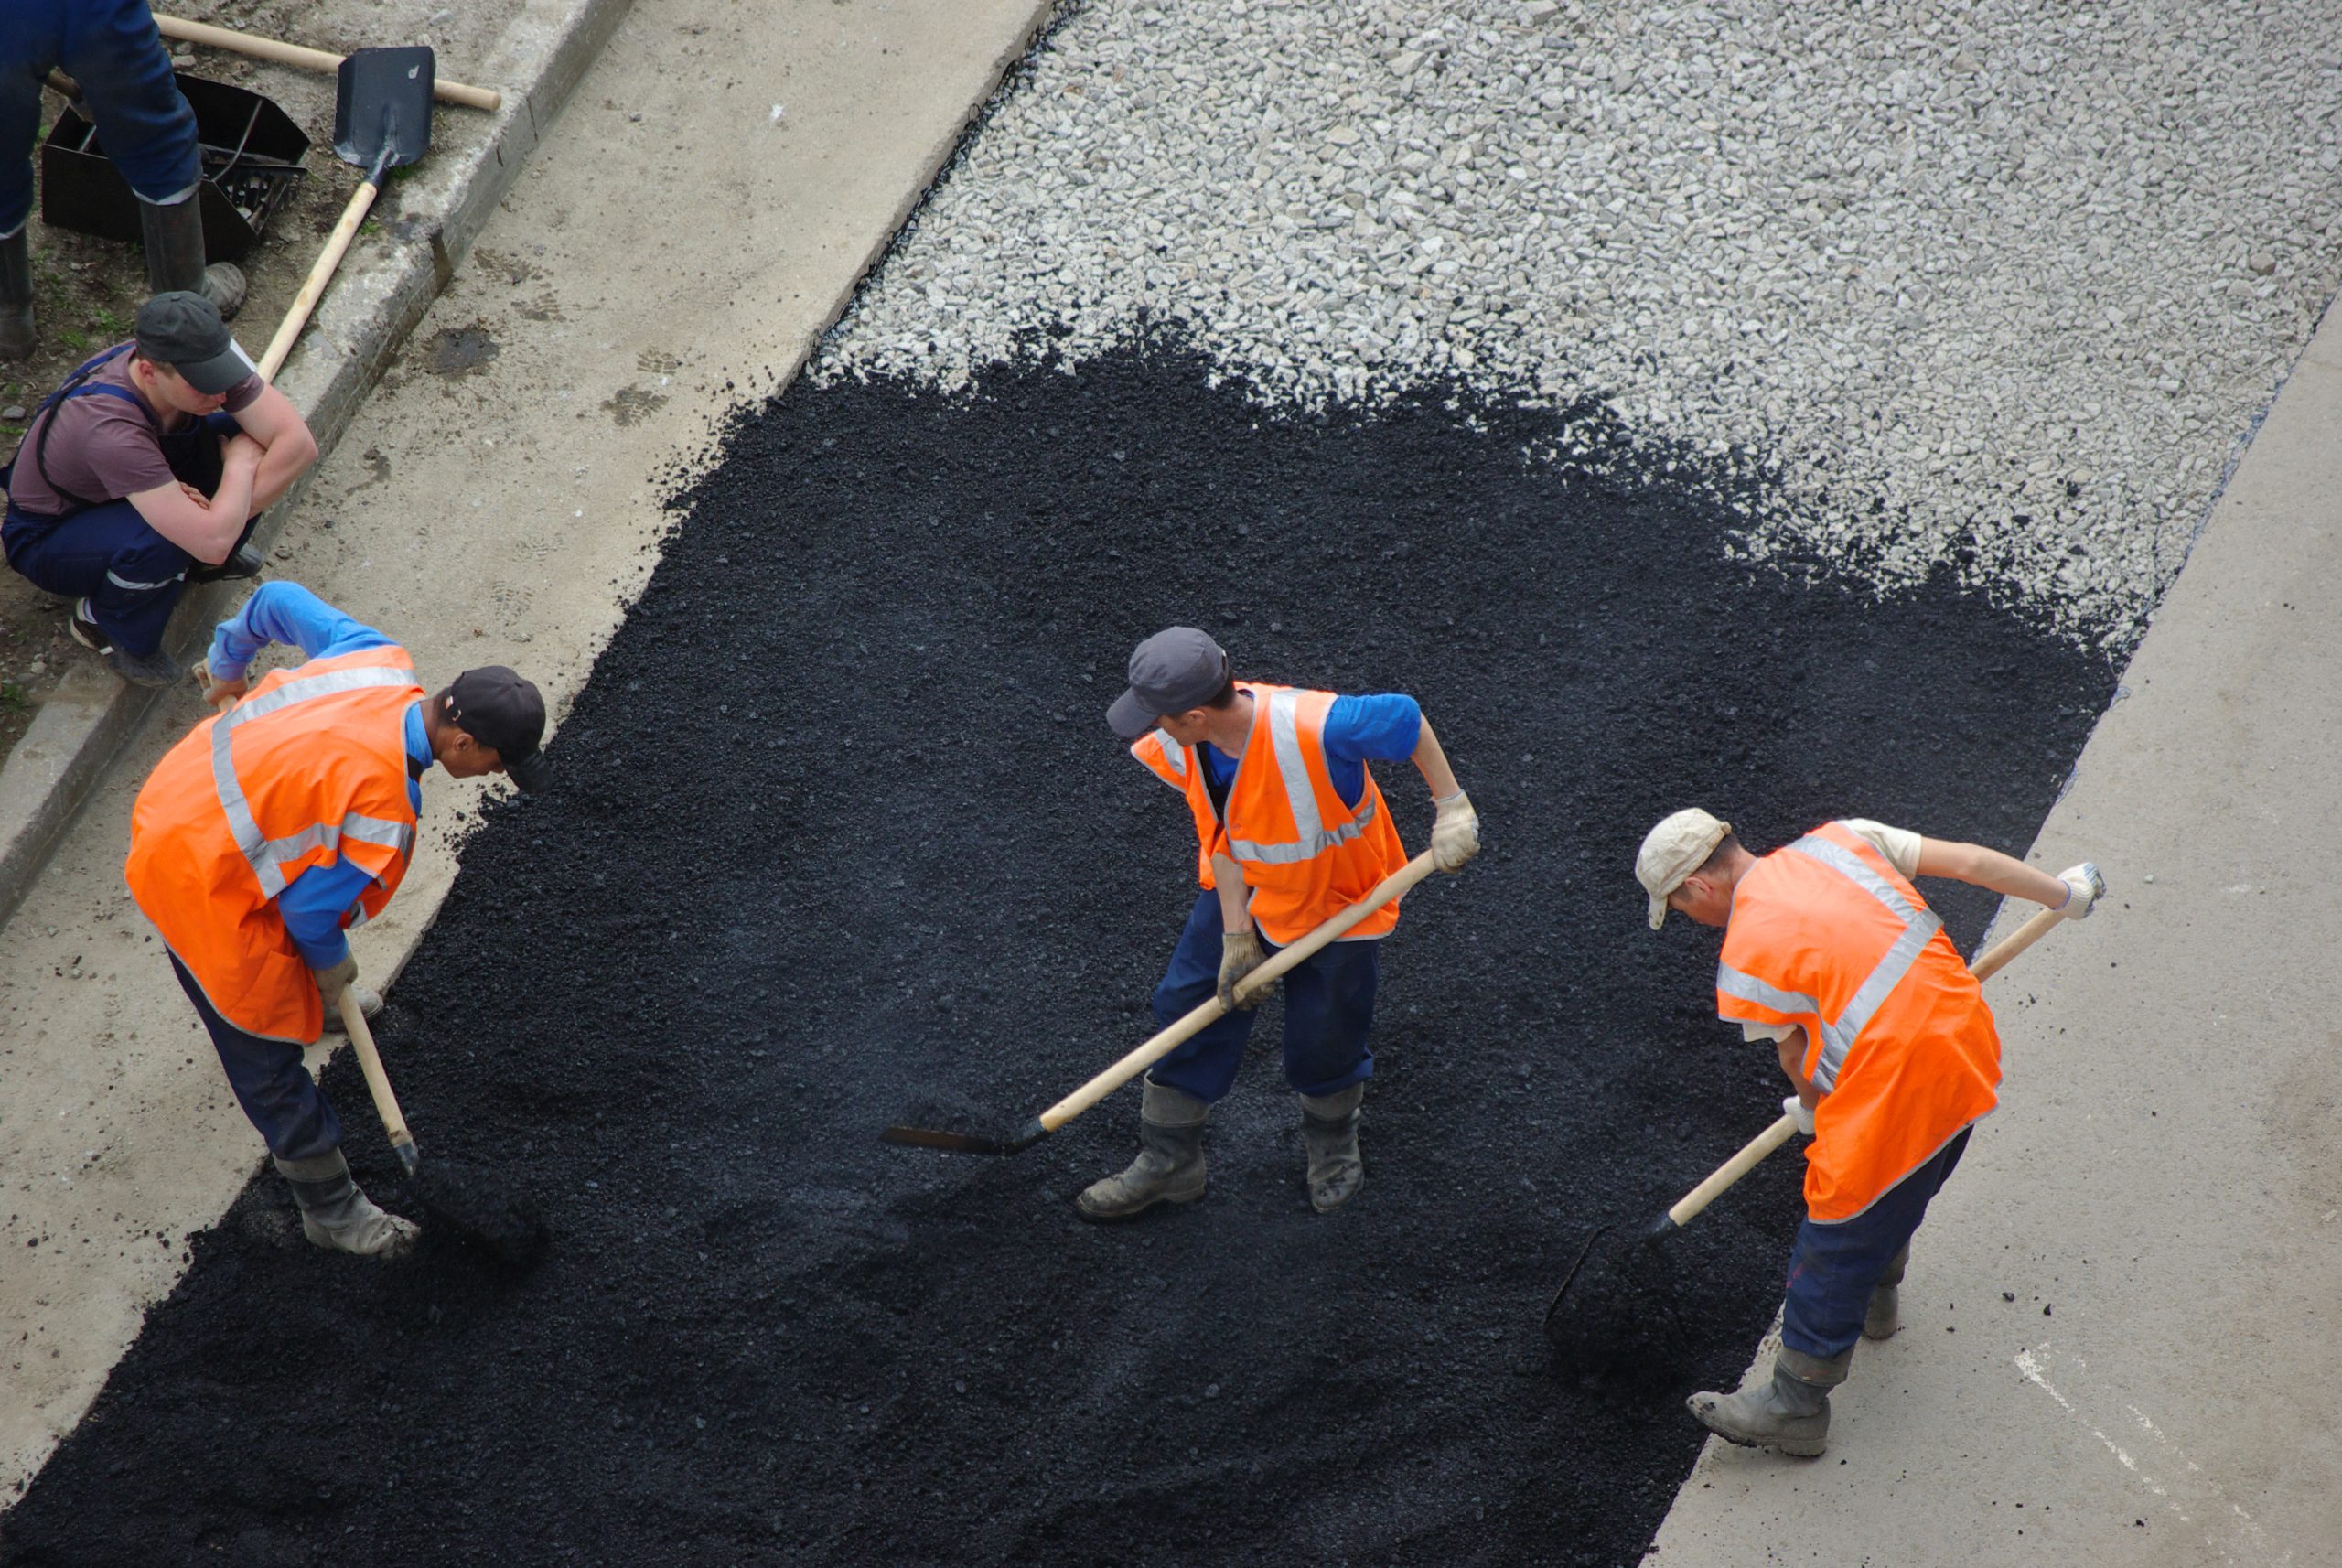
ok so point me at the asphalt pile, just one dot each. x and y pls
(840, 832)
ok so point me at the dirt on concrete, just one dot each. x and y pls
(839, 828)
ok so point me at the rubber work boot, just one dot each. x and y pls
(156, 668)
(1790, 1415)
(16, 296)
(174, 236)
(369, 1004)
(1885, 1314)
(1329, 1131)
(1170, 1164)
(337, 1216)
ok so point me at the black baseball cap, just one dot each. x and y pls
(183, 330)
(498, 709)
(1177, 669)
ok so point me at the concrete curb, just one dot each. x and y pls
(374, 303)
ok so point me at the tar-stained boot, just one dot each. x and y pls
(1170, 1164)
(1885, 1314)
(1790, 1414)
(174, 236)
(16, 296)
(336, 1215)
(1329, 1131)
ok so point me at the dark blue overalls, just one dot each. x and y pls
(104, 551)
(111, 49)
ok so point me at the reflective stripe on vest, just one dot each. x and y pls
(267, 856)
(1311, 839)
(1173, 752)
(1919, 926)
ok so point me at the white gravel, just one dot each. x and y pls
(2001, 284)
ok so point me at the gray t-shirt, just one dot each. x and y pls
(103, 447)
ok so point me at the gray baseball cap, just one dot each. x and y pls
(183, 330)
(1177, 669)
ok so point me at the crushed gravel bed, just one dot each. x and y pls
(1997, 287)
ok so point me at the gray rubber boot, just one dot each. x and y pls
(369, 1004)
(1790, 1414)
(336, 1215)
(173, 237)
(1329, 1131)
(1885, 1314)
(16, 296)
(1170, 1164)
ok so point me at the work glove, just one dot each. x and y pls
(220, 693)
(332, 981)
(1454, 832)
(1798, 1107)
(2084, 888)
(1240, 955)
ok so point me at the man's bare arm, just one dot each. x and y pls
(287, 447)
(1793, 1049)
(1981, 867)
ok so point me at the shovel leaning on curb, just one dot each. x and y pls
(382, 121)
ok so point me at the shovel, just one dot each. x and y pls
(382, 121)
(1616, 1261)
(1170, 1039)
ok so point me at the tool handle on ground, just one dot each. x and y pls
(1186, 1028)
(377, 1082)
(308, 59)
(337, 246)
(1731, 1170)
(1996, 958)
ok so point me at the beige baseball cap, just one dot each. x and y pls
(1671, 852)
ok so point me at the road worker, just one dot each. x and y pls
(285, 820)
(145, 471)
(1831, 954)
(1291, 830)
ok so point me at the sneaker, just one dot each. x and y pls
(245, 562)
(156, 668)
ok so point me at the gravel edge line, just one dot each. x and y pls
(364, 319)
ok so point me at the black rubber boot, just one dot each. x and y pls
(1885, 1314)
(1170, 1164)
(336, 1215)
(16, 296)
(1329, 1131)
(173, 237)
(1790, 1414)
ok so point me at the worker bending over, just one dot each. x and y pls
(147, 471)
(285, 820)
(1291, 831)
(1830, 953)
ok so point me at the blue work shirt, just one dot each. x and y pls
(1358, 730)
(318, 902)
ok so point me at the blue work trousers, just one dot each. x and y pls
(1835, 1266)
(111, 49)
(1329, 1008)
(131, 574)
(272, 1085)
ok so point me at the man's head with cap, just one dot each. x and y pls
(1172, 673)
(490, 721)
(1690, 863)
(180, 334)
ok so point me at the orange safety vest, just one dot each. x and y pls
(1827, 934)
(1306, 854)
(310, 767)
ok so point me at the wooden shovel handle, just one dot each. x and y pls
(1186, 1028)
(1997, 956)
(377, 1082)
(308, 59)
(337, 246)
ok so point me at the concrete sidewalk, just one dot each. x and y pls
(705, 210)
(2120, 1329)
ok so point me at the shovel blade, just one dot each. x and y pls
(965, 1142)
(381, 108)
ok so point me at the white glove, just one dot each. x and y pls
(2084, 888)
(1798, 1107)
(1240, 955)
(1454, 832)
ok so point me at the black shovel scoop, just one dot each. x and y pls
(382, 121)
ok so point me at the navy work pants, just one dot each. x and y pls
(1329, 1008)
(272, 1085)
(1835, 1267)
(111, 49)
(131, 574)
